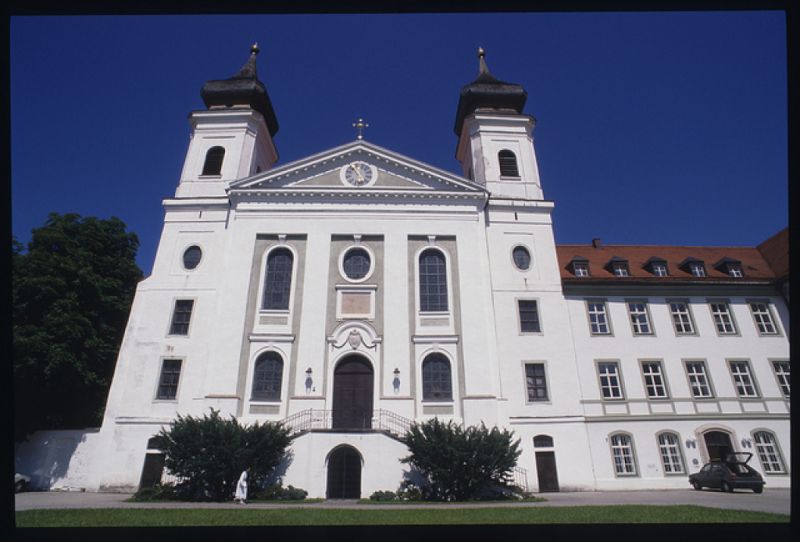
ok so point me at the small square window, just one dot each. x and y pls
(660, 269)
(581, 269)
(620, 269)
(697, 269)
(735, 270)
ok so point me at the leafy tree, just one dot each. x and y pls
(460, 464)
(71, 290)
(210, 453)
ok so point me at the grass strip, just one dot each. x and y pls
(160, 517)
(526, 499)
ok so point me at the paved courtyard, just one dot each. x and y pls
(772, 500)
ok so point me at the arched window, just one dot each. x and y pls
(542, 441)
(432, 281)
(767, 451)
(267, 377)
(622, 452)
(278, 282)
(508, 163)
(436, 379)
(213, 163)
(669, 447)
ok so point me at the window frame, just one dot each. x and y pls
(535, 301)
(749, 373)
(660, 269)
(506, 175)
(584, 268)
(617, 373)
(632, 451)
(188, 323)
(690, 316)
(770, 315)
(199, 259)
(620, 269)
(705, 374)
(729, 311)
(648, 321)
(527, 251)
(697, 266)
(766, 466)
(545, 378)
(264, 275)
(447, 282)
(677, 452)
(735, 270)
(372, 262)
(263, 356)
(606, 314)
(426, 360)
(786, 386)
(159, 381)
(661, 374)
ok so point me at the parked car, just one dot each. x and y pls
(732, 473)
(20, 482)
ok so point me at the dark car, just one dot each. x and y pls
(732, 473)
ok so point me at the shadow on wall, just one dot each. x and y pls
(48, 457)
(277, 474)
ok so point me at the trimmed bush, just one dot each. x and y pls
(158, 492)
(277, 492)
(460, 464)
(383, 496)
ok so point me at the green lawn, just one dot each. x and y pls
(159, 517)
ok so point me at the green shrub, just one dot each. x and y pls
(209, 454)
(457, 464)
(277, 492)
(383, 496)
(158, 492)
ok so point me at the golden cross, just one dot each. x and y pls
(360, 125)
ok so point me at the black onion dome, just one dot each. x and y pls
(486, 91)
(244, 88)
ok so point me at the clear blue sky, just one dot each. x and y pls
(652, 128)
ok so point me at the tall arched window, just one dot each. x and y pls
(213, 163)
(508, 163)
(278, 281)
(432, 281)
(622, 452)
(436, 379)
(267, 377)
(669, 447)
(767, 451)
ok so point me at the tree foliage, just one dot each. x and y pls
(210, 453)
(460, 464)
(71, 290)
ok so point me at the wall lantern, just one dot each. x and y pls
(396, 381)
(747, 443)
(691, 443)
(309, 381)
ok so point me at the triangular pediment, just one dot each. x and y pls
(379, 170)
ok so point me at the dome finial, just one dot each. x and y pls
(254, 48)
(482, 67)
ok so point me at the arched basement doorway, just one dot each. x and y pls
(344, 474)
(352, 394)
(718, 445)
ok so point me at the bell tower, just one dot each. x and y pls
(495, 145)
(233, 138)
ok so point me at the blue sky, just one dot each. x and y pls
(652, 128)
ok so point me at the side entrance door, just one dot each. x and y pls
(546, 471)
(344, 474)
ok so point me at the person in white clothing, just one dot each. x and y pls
(240, 497)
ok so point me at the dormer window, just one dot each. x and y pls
(731, 267)
(619, 267)
(508, 163)
(657, 266)
(694, 267)
(697, 269)
(579, 266)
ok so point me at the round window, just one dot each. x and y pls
(191, 257)
(356, 263)
(522, 258)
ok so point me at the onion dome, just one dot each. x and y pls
(487, 92)
(244, 88)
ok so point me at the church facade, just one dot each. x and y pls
(355, 291)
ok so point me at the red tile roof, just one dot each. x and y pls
(776, 252)
(754, 265)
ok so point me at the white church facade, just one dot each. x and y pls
(357, 290)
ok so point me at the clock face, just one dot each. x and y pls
(358, 174)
